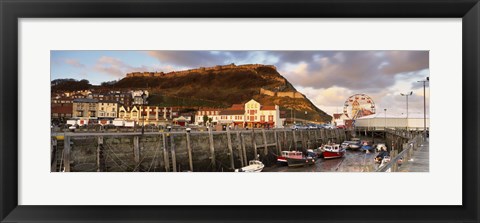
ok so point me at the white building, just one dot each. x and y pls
(415, 121)
(250, 114)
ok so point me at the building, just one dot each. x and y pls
(415, 121)
(85, 108)
(140, 97)
(339, 119)
(147, 114)
(251, 114)
(123, 98)
(212, 114)
(108, 109)
(61, 112)
(258, 115)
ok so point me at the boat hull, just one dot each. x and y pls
(300, 162)
(282, 160)
(353, 146)
(331, 155)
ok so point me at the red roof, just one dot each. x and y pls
(68, 109)
(267, 107)
(237, 107)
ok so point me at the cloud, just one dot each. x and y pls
(190, 59)
(116, 67)
(74, 63)
(358, 70)
(405, 61)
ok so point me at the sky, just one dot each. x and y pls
(327, 78)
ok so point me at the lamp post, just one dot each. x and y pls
(427, 79)
(305, 118)
(385, 110)
(143, 110)
(143, 120)
(406, 95)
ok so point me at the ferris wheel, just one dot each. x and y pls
(358, 105)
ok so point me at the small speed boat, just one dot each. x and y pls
(366, 147)
(253, 166)
(355, 144)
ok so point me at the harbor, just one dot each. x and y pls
(214, 151)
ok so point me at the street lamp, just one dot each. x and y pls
(144, 98)
(143, 120)
(305, 118)
(385, 110)
(406, 95)
(427, 79)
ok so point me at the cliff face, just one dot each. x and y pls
(223, 86)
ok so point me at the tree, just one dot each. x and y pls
(205, 119)
(210, 120)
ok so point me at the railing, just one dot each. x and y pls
(403, 157)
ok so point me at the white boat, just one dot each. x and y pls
(253, 166)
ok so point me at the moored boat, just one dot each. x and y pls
(298, 159)
(333, 151)
(253, 166)
(315, 153)
(355, 144)
(282, 159)
(367, 147)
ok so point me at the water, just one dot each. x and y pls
(353, 161)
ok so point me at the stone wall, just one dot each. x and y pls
(291, 94)
(198, 70)
(117, 153)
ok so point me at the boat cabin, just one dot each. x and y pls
(332, 148)
(292, 154)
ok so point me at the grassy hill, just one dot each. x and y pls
(222, 88)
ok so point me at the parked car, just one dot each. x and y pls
(298, 126)
(312, 126)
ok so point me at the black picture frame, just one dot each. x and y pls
(11, 11)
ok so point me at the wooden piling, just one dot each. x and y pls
(136, 150)
(54, 151)
(239, 148)
(265, 152)
(66, 153)
(189, 150)
(302, 139)
(165, 153)
(254, 150)
(174, 156)
(285, 144)
(99, 153)
(212, 149)
(244, 149)
(230, 149)
(278, 144)
(294, 140)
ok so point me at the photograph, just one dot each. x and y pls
(239, 111)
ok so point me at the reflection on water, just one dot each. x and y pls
(354, 161)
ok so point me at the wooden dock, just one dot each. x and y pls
(419, 162)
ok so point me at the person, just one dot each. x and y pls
(382, 154)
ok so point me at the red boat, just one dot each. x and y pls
(331, 151)
(288, 154)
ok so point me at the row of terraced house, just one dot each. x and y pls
(105, 108)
